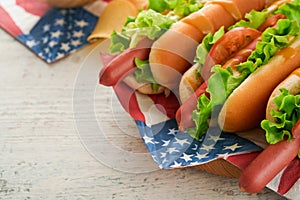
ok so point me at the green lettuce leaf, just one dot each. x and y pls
(286, 115)
(291, 10)
(201, 117)
(148, 23)
(119, 42)
(208, 41)
(180, 8)
(143, 73)
(254, 20)
(222, 83)
(158, 5)
(152, 22)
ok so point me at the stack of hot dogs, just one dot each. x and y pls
(234, 64)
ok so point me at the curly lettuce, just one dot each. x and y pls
(203, 49)
(285, 117)
(148, 23)
(253, 19)
(180, 8)
(152, 22)
(143, 73)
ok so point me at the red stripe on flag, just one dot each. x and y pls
(34, 7)
(128, 100)
(167, 105)
(8, 24)
(242, 160)
(289, 176)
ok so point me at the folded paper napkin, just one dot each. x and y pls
(51, 33)
(170, 148)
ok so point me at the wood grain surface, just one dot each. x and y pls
(43, 154)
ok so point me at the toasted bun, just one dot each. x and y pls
(67, 3)
(173, 53)
(245, 107)
(291, 83)
(189, 83)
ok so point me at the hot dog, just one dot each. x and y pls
(148, 25)
(167, 62)
(241, 91)
(164, 57)
(283, 134)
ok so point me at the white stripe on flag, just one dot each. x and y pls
(274, 183)
(24, 20)
(294, 192)
(152, 114)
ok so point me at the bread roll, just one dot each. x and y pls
(245, 107)
(173, 53)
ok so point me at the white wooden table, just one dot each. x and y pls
(43, 157)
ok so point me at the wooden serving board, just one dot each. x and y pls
(220, 167)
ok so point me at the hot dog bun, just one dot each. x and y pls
(168, 61)
(291, 83)
(210, 18)
(245, 107)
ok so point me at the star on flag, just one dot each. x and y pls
(65, 47)
(166, 143)
(200, 156)
(173, 148)
(207, 148)
(176, 164)
(31, 43)
(186, 157)
(232, 147)
(81, 23)
(78, 34)
(147, 139)
(172, 131)
(56, 34)
(59, 22)
(181, 142)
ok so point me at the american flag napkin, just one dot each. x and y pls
(51, 33)
(170, 148)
